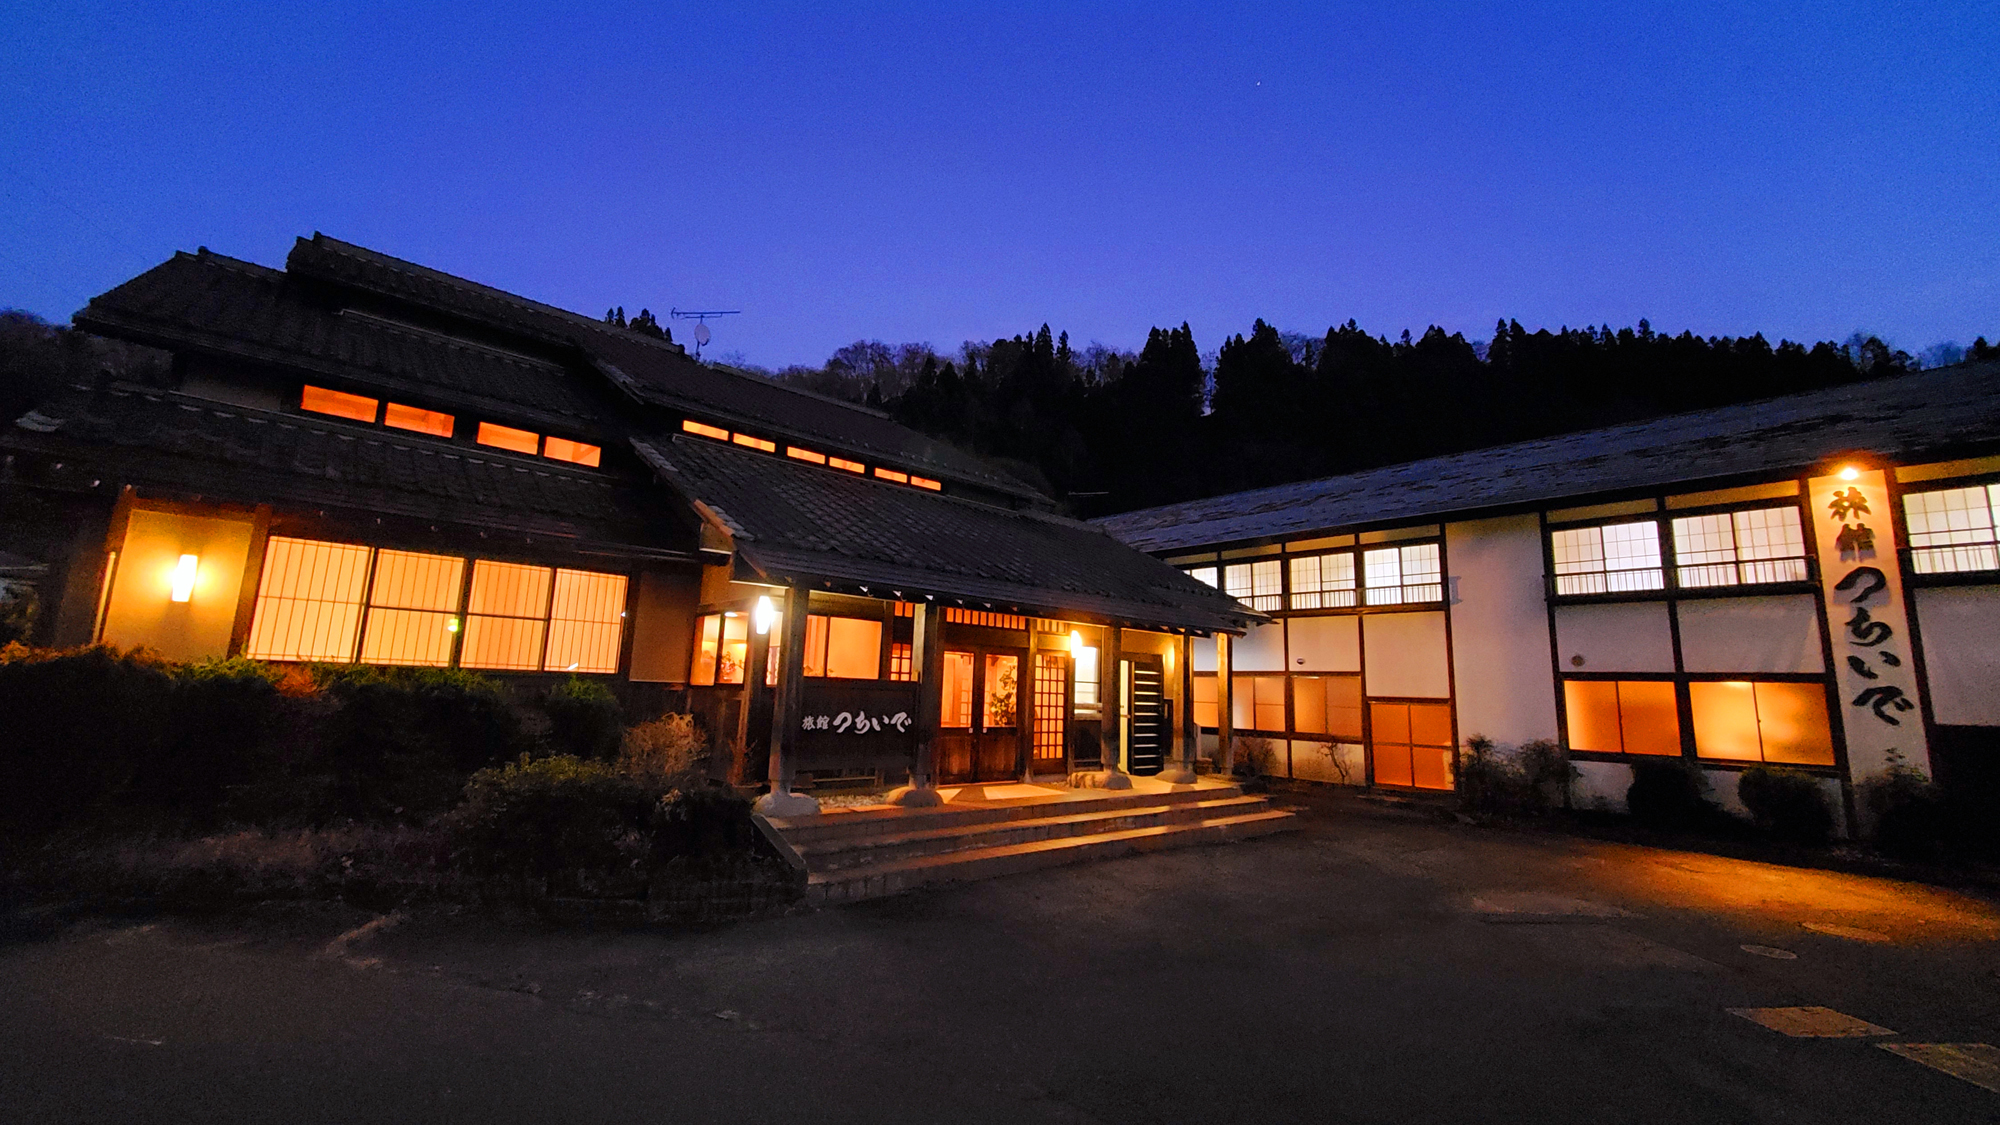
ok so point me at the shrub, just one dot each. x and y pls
(400, 741)
(224, 721)
(1669, 794)
(75, 725)
(1487, 781)
(670, 752)
(1546, 766)
(1787, 804)
(1909, 813)
(584, 718)
(703, 824)
(535, 818)
(1255, 757)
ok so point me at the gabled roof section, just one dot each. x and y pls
(797, 522)
(226, 307)
(1930, 415)
(656, 371)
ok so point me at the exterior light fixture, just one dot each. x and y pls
(451, 624)
(1850, 473)
(1075, 643)
(183, 577)
(764, 614)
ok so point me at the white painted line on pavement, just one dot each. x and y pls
(1977, 1063)
(1811, 1022)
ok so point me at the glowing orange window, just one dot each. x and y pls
(507, 437)
(340, 404)
(694, 427)
(575, 452)
(926, 482)
(850, 466)
(891, 474)
(756, 443)
(432, 422)
(805, 455)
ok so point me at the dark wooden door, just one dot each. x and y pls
(1147, 723)
(980, 733)
(1048, 750)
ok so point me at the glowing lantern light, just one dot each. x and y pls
(1075, 643)
(183, 579)
(1850, 473)
(764, 615)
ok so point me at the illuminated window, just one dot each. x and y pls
(340, 404)
(850, 466)
(1411, 743)
(1259, 585)
(1402, 575)
(1257, 703)
(805, 455)
(843, 648)
(891, 474)
(926, 482)
(956, 690)
(1086, 676)
(507, 437)
(1782, 723)
(1323, 581)
(1003, 690)
(1952, 530)
(412, 609)
(755, 443)
(430, 422)
(1614, 558)
(1205, 574)
(1328, 705)
(722, 645)
(906, 609)
(900, 668)
(707, 649)
(506, 615)
(1759, 545)
(308, 601)
(575, 452)
(586, 620)
(694, 427)
(982, 617)
(1622, 716)
(1205, 708)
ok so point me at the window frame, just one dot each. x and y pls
(1908, 552)
(1684, 716)
(1671, 587)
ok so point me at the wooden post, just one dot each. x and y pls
(927, 660)
(755, 661)
(1111, 708)
(786, 711)
(1188, 735)
(1225, 732)
(1024, 703)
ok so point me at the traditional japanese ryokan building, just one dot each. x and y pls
(357, 458)
(1811, 581)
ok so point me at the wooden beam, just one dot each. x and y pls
(1225, 733)
(789, 706)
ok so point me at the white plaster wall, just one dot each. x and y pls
(1340, 763)
(1325, 644)
(1628, 637)
(1204, 654)
(1602, 785)
(1405, 655)
(1767, 634)
(1261, 650)
(1961, 631)
(1500, 630)
(1725, 789)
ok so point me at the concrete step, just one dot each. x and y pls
(806, 831)
(877, 879)
(907, 841)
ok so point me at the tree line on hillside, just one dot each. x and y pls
(1110, 431)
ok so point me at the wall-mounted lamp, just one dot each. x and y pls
(451, 624)
(1850, 473)
(764, 615)
(1075, 643)
(183, 578)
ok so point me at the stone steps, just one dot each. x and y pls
(855, 851)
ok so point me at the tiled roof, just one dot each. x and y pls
(149, 438)
(794, 521)
(231, 307)
(654, 370)
(1935, 415)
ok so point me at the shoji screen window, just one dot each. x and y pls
(1622, 716)
(1768, 722)
(412, 609)
(1756, 546)
(1205, 574)
(1323, 581)
(1952, 529)
(506, 616)
(1327, 705)
(843, 648)
(1411, 743)
(1259, 585)
(1205, 710)
(721, 645)
(1403, 575)
(1614, 558)
(586, 622)
(1257, 703)
(1085, 671)
(309, 601)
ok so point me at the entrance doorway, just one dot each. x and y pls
(1147, 723)
(980, 730)
(1048, 749)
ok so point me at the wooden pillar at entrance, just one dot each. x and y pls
(1024, 701)
(786, 711)
(1111, 710)
(755, 662)
(1188, 736)
(1225, 715)
(927, 639)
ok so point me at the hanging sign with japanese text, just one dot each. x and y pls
(1863, 584)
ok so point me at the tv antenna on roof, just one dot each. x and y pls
(700, 318)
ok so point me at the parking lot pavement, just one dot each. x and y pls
(1375, 966)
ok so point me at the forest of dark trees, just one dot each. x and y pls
(1110, 431)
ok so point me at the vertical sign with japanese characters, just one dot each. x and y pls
(1863, 583)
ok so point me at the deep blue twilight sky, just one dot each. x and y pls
(941, 172)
